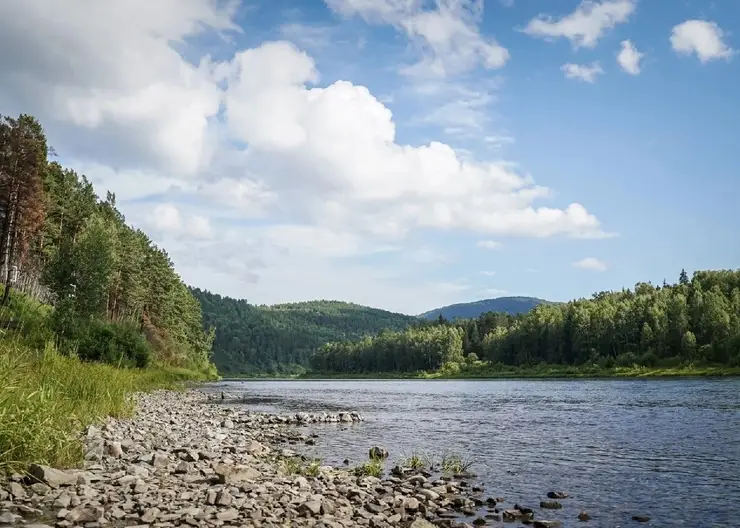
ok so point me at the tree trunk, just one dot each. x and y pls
(8, 272)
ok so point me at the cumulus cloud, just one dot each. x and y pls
(447, 36)
(703, 38)
(584, 72)
(585, 26)
(629, 58)
(591, 264)
(258, 180)
(118, 78)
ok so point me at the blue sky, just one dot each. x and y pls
(274, 172)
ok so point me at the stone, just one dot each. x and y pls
(235, 475)
(50, 476)
(7, 518)
(224, 498)
(556, 495)
(479, 521)
(547, 524)
(114, 449)
(62, 501)
(641, 518)
(550, 505)
(421, 523)
(227, 515)
(257, 448)
(411, 504)
(16, 490)
(150, 515)
(584, 516)
(312, 507)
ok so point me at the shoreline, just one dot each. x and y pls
(185, 460)
(551, 374)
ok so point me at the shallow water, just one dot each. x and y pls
(669, 449)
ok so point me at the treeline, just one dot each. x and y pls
(116, 295)
(280, 339)
(696, 321)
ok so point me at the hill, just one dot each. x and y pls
(279, 339)
(471, 310)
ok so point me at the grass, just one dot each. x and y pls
(295, 466)
(454, 464)
(47, 398)
(371, 468)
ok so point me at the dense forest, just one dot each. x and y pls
(116, 295)
(470, 310)
(280, 339)
(696, 321)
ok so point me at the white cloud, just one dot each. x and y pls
(118, 78)
(447, 36)
(704, 38)
(489, 244)
(629, 58)
(590, 263)
(586, 25)
(583, 72)
(258, 182)
(488, 273)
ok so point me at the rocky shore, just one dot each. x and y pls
(185, 460)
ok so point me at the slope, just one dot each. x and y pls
(279, 339)
(510, 305)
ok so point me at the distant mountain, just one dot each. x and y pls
(510, 305)
(277, 339)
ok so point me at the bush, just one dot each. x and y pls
(115, 343)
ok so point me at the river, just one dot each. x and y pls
(669, 449)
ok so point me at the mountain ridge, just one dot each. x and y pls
(512, 305)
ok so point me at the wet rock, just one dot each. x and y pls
(379, 453)
(557, 495)
(550, 505)
(50, 476)
(480, 521)
(641, 518)
(547, 524)
(584, 516)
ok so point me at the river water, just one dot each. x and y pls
(669, 449)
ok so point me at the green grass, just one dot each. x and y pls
(371, 468)
(47, 398)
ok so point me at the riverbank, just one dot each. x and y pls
(47, 398)
(541, 372)
(184, 459)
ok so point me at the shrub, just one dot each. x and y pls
(115, 343)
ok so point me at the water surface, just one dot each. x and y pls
(669, 449)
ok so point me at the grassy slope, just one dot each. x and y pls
(47, 399)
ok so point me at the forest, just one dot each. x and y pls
(280, 339)
(693, 322)
(116, 295)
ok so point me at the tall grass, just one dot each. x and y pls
(47, 398)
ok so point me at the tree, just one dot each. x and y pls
(23, 154)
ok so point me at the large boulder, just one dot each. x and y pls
(235, 475)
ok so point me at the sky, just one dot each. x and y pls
(403, 154)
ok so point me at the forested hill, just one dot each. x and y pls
(509, 305)
(279, 339)
(695, 322)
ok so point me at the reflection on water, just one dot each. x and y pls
(666, 448)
